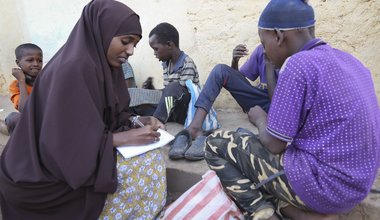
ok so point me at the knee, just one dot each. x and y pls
(172, 88)
(12, 119)
(215, 143)
(173, 85)
(221, 70)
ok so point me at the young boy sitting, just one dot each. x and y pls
(178, 67)
(29, 60)
(236, 82)
(318, 149)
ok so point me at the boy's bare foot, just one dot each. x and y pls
(3, 128)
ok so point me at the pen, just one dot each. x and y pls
(135, 120)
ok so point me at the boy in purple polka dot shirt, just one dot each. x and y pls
(317, 152)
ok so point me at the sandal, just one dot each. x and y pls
(181, 143)
(196, 150)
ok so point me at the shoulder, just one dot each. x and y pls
(302, 61)
(259, 49)
(188, 59)
(13, 85)
(188, 62)
(257, 55)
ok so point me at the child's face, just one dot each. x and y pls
(30, 62)
(163, 52)
(120, 49)
(275, 52)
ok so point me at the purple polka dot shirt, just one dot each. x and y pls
(325, 107)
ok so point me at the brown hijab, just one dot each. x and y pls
(59, 162)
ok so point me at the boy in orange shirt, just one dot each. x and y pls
(29, 60)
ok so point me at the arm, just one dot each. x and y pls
(258, 117)
(19, 75)
(271, 77)
(238, 52)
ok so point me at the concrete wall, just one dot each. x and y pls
(209, 30)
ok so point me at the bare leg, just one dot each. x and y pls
(195, 127)
(295, 213)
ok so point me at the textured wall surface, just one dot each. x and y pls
(209, 30)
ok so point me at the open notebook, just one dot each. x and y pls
(131, 151)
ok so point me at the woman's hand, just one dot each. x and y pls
(138, 136)
(150, 120)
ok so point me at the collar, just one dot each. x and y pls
(178, 64)
(313, 43)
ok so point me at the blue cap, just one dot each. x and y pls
(287, 14)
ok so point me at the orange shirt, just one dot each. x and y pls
(15, 92)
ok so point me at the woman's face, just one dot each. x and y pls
(121, 48)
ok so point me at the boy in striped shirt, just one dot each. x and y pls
(178, 67)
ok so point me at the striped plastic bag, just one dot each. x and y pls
(211, 122)
(205, 200)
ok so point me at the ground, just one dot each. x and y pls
(183, 174)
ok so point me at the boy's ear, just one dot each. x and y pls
(280, 37)
(170, 43)
(17, 62)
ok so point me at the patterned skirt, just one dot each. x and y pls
(141, 191)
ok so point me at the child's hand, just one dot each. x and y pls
(239, 52)
(18, 74)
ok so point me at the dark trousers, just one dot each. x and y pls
(246, 95)
(173, 104)
(250, 174)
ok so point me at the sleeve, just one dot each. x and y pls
(189, 71)
(284, 118)
(250, 68)
(15, 93)
(127, 71)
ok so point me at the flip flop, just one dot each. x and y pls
(181, 143)
(196, 150)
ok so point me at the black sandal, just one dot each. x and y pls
(196, 150)
(181, 143)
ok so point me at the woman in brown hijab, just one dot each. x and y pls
(61, 161)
